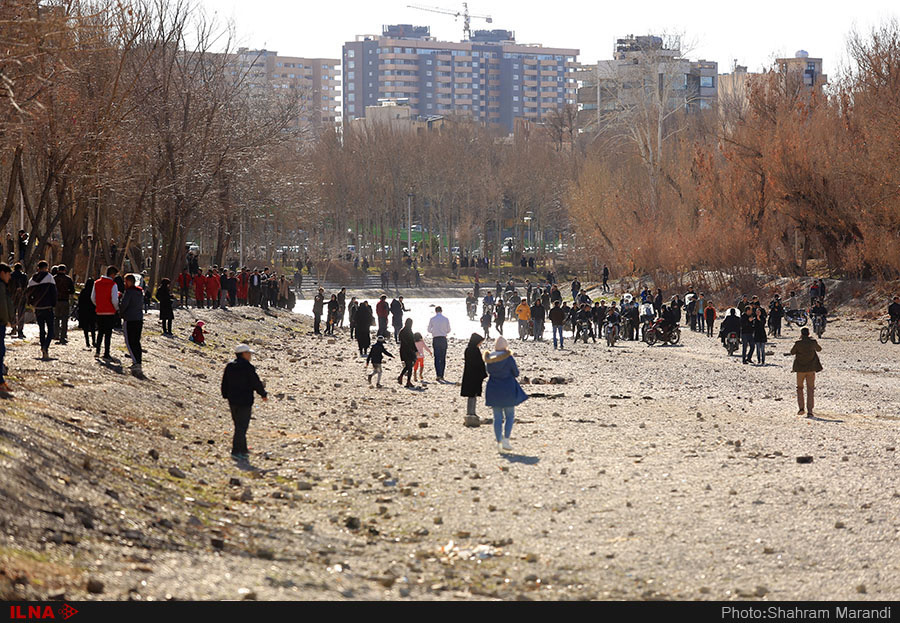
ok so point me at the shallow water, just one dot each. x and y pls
(422, 309)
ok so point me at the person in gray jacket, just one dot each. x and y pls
(131, 308)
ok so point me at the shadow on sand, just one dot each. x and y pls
(521, 458)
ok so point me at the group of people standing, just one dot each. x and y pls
(221, 287)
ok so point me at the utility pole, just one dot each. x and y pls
(241, 239)
(409, 197)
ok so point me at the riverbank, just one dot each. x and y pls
(664, 472)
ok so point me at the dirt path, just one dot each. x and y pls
(659, 472)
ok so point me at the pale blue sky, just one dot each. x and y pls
(754, 34)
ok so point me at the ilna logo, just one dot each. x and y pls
(41, 612)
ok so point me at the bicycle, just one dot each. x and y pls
(891, 331)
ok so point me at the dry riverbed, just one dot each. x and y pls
(664, 472)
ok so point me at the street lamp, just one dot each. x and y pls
(528, 224)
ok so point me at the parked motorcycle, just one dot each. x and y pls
(657, 333)
(796, 316)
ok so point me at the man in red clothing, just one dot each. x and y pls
(382, 310)
(243, 283)
(199, 289)
(213, 284)
(184, 286)
(105, 297)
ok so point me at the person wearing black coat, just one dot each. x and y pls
(408, 352)
(747, 346)
(239, 382)
(474, 373)
(364, 321)
(87, 314)
(166, 313)
(759, 335)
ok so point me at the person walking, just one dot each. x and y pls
(759, 336)
(806, 364)
(65, 290)
(397, 308)
(17, 285)
(352, 308)
(710, 318)
(87, 314)
(503, 392)
(499, 316)
(474, 373)
(439, 328)
(318, 308)
(537, 319)
(376, 357)
(408, 352)
(606, 287)
(364, 322)
(42, 296)
(747, 334)
(331, 319)
(239, 382)
(557, 318)
(486, 320)
(166, 312)
(523, 313)
(382, 310)
(421, 349)
(7, 318)
(200, 290)
(105, 297)
(131, 307)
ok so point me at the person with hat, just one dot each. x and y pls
(239, 382)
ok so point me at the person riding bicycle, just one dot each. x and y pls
(731, 324)
(894, 310)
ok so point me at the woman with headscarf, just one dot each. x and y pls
(166, 313)
(332, 315)
(87, 314)
(364, 328)
(408, 352)
(503, 391)
(473, 377)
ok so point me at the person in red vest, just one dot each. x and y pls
(105, 297)
(382, 310)
(243, 284)
(213, 284)
(199, 289)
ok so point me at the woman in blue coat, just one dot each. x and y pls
(503, 391)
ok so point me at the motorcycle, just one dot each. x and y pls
(471, 309)
(732, 342)
(796, 316)
(670, 335)
(583, 328)
(612, 333)
(819, 325)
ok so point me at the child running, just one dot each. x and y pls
(420, 356)
(376, 356)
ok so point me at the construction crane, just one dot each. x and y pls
(467, 33)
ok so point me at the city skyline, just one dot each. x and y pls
(753, 39)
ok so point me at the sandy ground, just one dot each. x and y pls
(663, 472)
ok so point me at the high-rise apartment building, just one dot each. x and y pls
(489, 78)
(316, 81)
(643, 68)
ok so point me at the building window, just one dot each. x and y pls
(351, 53)
(351, 87)
(706, 82)
(350, 75)
(351, 64)
(351, 97)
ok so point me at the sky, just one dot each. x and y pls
(754, 35)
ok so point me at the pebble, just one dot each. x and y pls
(352, 523)
(154, 454)
(804, 459)
(235, 482)
(95, 586)
(176, 473)
(303, 485)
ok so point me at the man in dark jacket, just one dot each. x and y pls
(747, 334)
(537, 317)
(239, 383)
(557, 320)
(806, 364)
(397, 309)
(65, 290)
(18, 283)
(131, 308)
(318, 308)
(376, 358)
(41, 294)
(474, 373)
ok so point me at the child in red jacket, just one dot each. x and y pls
(198, 336)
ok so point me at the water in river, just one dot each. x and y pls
(422, 309)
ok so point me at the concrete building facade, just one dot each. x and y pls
(316, 81)
(489, 78)
(643, 67)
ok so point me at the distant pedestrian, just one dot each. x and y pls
(87, 314)
(473, 376)
(65, 290)
(131, 308)
(105, 297)
(364, 322)
(710, 313)
(7, 318)
(376, 357)
(421, 349)
(166, 311)
(318, 308)
(557, 318)
(239, 382)
(439, 328)
(42, 296)
(503, 392)
(806, 365)
(407, 352)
